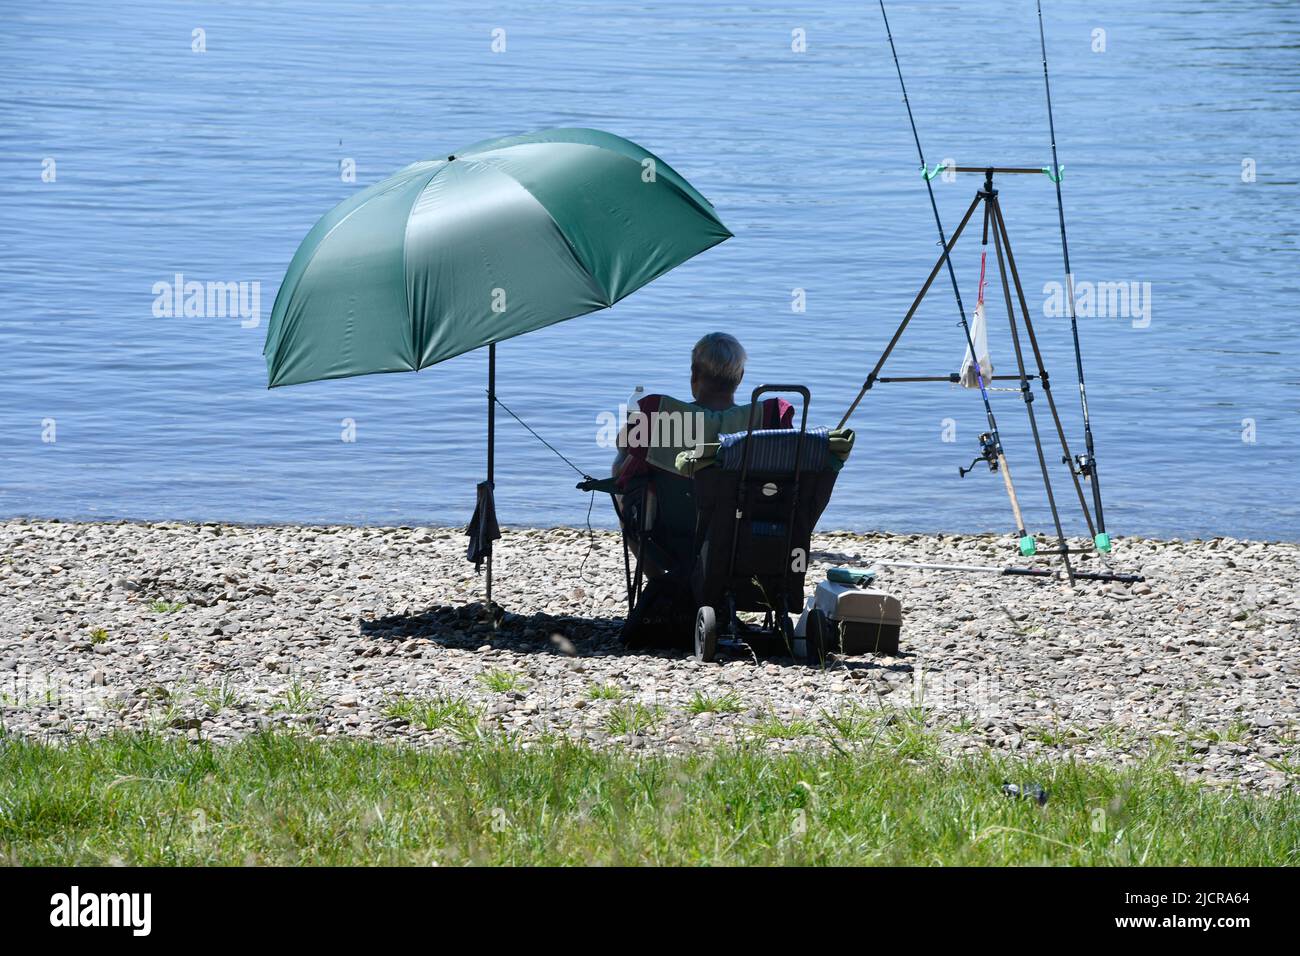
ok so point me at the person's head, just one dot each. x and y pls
(717, 366)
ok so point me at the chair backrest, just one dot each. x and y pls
(757, 508)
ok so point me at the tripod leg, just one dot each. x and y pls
(1025, 539)
(1028, 396)
(916, 303)
(1000, 224)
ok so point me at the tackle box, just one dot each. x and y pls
(864, 620)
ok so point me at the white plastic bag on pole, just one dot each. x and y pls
(979, 335)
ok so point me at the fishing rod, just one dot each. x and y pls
(1013, 571)
(991, 449)
(1085, 464)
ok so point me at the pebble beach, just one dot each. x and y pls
(215, 631)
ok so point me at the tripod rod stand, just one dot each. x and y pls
(992, 451)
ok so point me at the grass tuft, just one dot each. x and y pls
(435, 713)
(298, 699)
(853, 722)
(776, 727)
(166, 607)
(725, 703)
(503, 681)
(632, 719)
(218, 697)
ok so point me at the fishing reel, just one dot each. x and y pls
(1082, 465)
(989, 451)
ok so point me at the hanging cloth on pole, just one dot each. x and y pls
(979, 333)
(482, 528)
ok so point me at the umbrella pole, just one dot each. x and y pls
(491, 449)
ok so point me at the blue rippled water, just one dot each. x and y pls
(215, 164)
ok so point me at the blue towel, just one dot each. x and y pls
(774, 450)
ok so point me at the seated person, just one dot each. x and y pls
(662, 426)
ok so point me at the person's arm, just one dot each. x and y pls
(620, 458)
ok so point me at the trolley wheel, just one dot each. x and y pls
(819, 637)
(706, 634)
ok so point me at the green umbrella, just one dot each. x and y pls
(507, 236)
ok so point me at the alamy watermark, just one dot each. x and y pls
(1103, 300)
(675, 429)
(191, 299)
(75, 908)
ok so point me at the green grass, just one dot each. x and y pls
(1057, 735)
(502, 681)
(774, 726)
(298, 699)
(853, 722)
(279, 798)
(1235, 732)
(632, 718)
(907, 737)
(166, 607)
(218, 697)
(98, 636)
(727, 703)
(604, 692)
(434, 713)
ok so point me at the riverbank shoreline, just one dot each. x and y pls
(215, 631)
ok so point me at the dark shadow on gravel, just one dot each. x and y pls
(468, 627)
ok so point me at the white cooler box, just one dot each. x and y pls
(866, 621)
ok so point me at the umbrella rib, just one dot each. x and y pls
(406, 284)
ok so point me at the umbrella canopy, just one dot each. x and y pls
(507, 236)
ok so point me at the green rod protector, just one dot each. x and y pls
(1102, 541)
(1028, 547)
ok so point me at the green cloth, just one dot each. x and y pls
(857, 577)
(689, 462)
(448, 255)
(678, 427)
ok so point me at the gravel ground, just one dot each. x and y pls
(216, 631)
